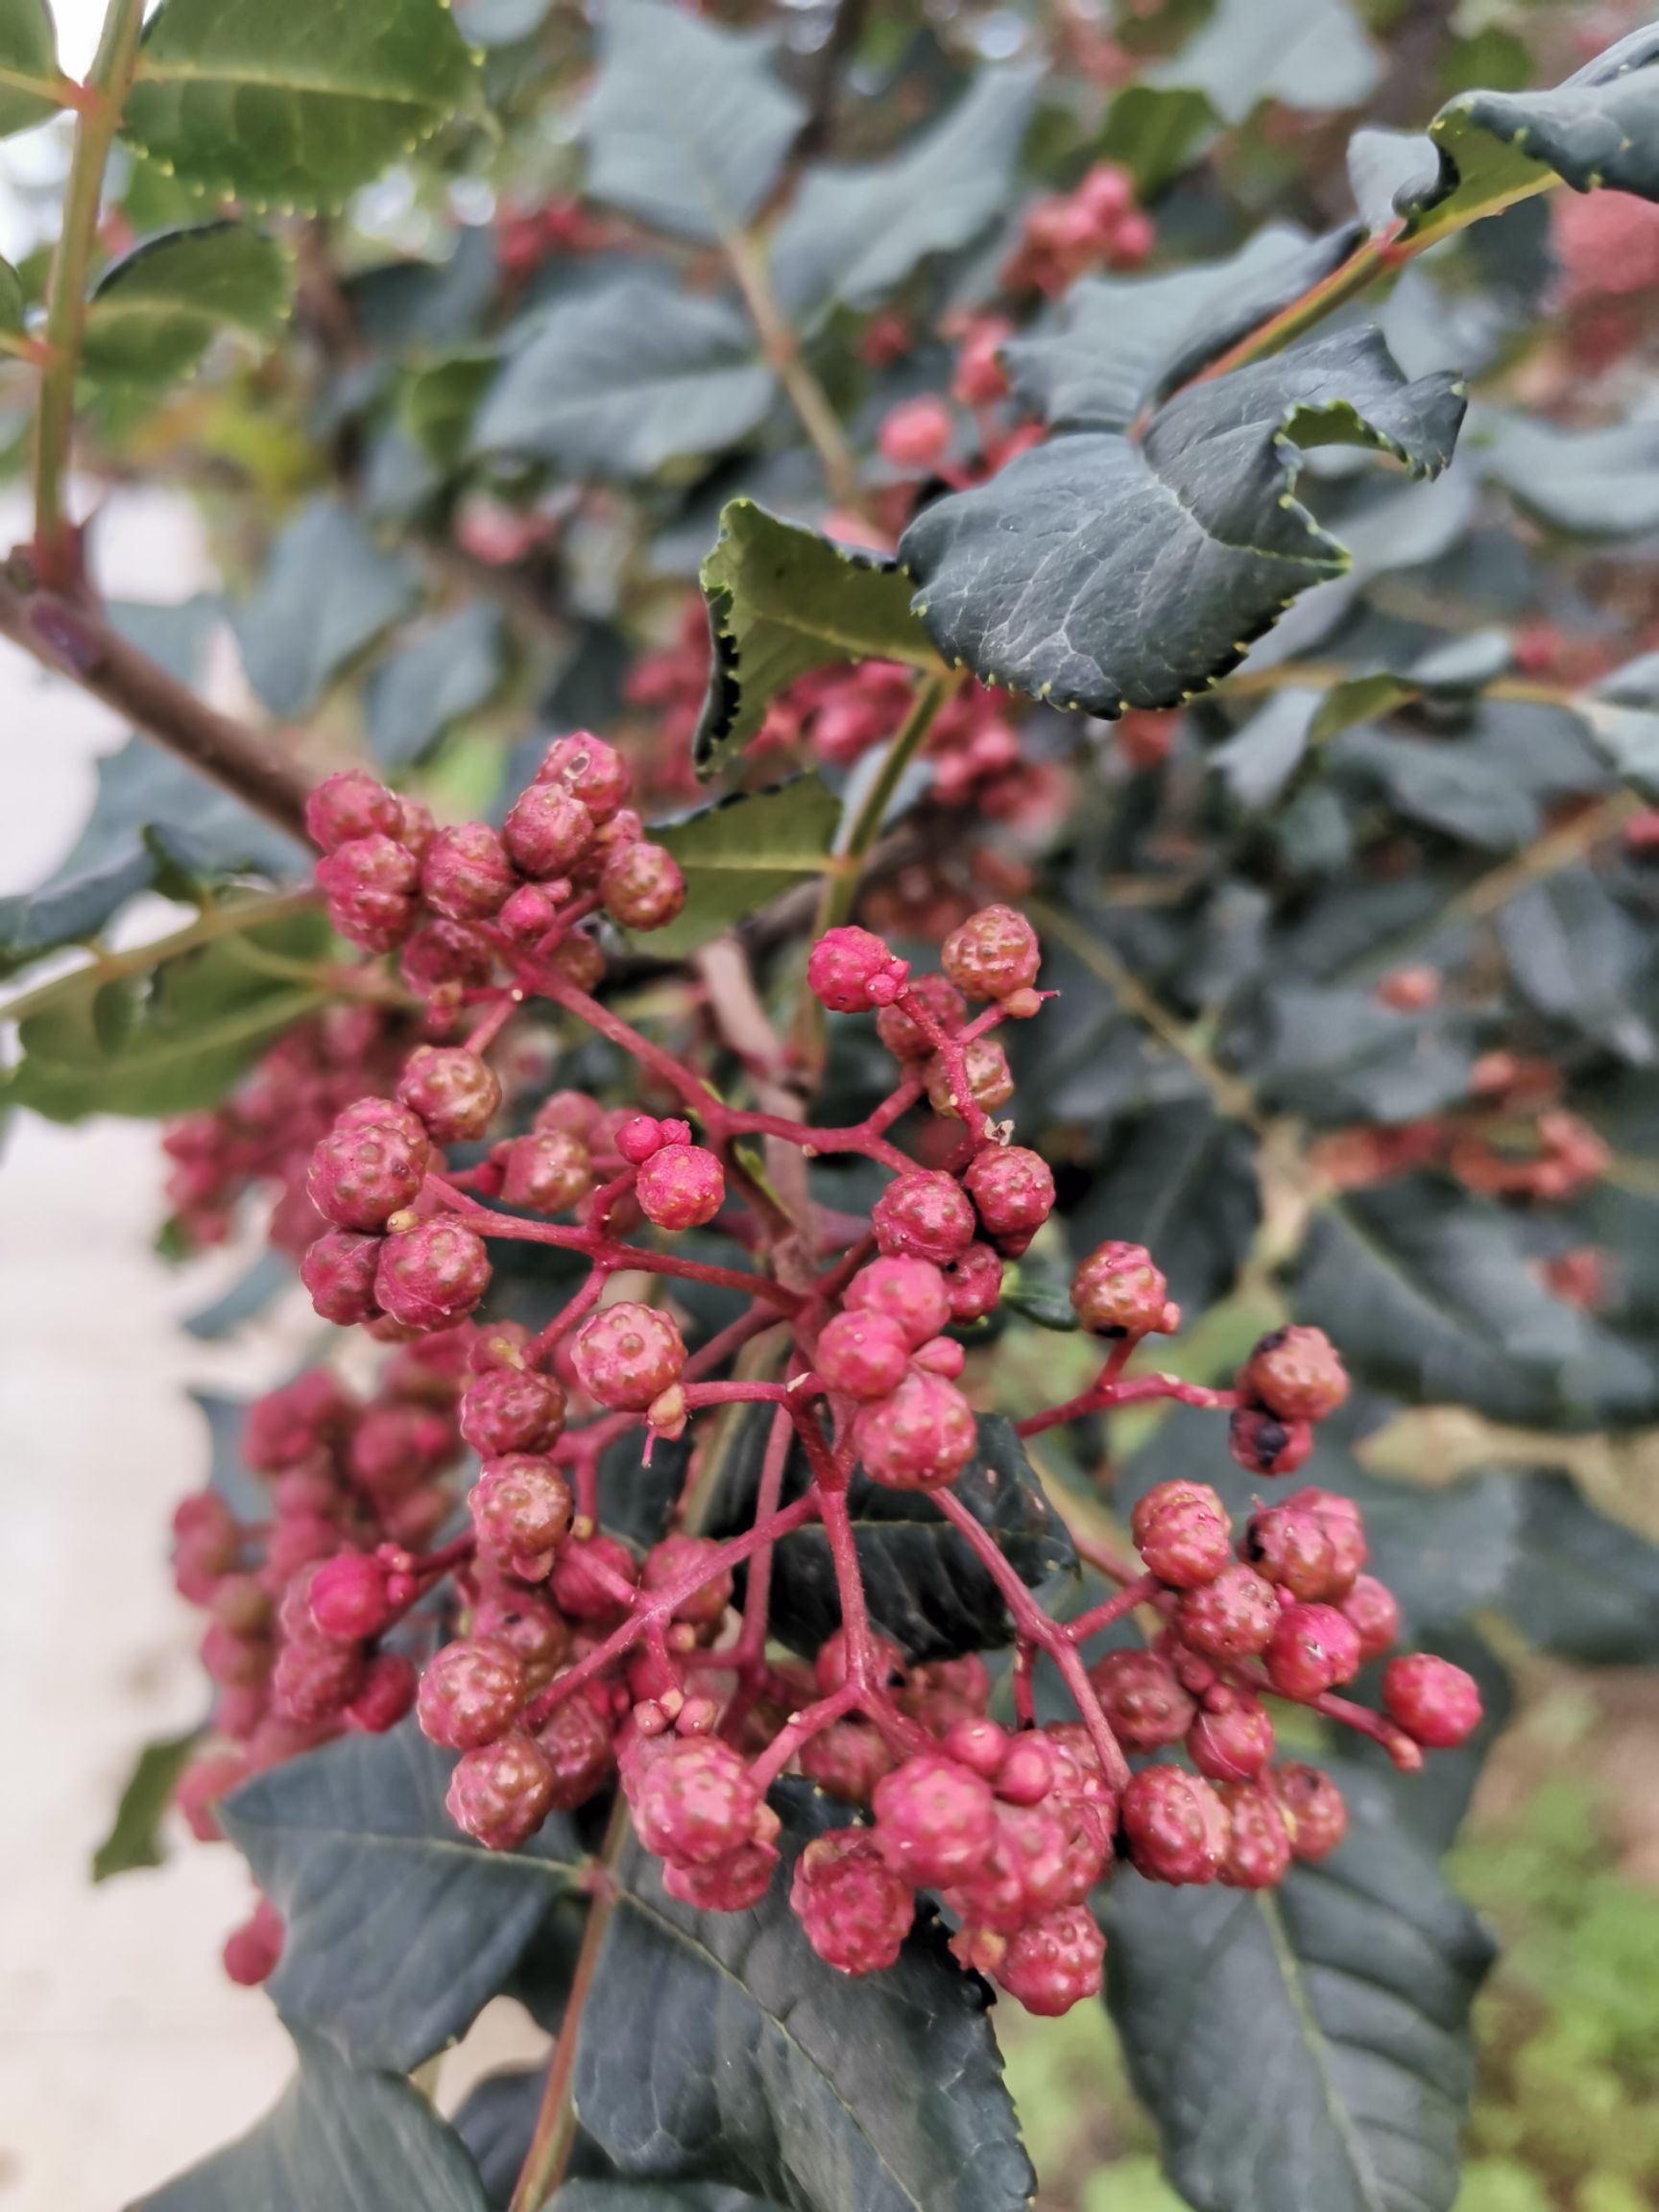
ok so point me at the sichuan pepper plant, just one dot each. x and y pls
(874, 1446)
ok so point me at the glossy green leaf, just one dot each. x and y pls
(716, 2044)
(1120, 344)
(1599, 126)
(155, 312)
(1428, 1293)
(784, 601)
(195, 1024)
(743, 851)
(450, 672)
(1307, 2045)
(297, 105)
(856, 234)
(401, 1929)
(28, 57)
(328, 591)
(1308, 53)
(339, 2138)
(1100, 573)
(134, 1838)
(1582, 1586)
(688, 127)
(1155, 131)
(924, 1587)
(620, 382)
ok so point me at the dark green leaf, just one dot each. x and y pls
(1340, 1055)
(1444, 1553)
(439, 400)
(1100, 573)
(716, 2046)
(1307, 2046)
(1446, 783)
(1182, 1181)
(1046, 1303)
(1582, 1586)
(28, 54)
(653, 2197)
(495, 2124)
(783, 601)
(925, 1589)
(1258, 761)
(399, 1928)
(1596, 483)
(453, 671)
(1601, 127)
(1576, 955)
(1120, 344)
(338, 2139)
(134, 1838)
(155, 312)
(297, 105)
(330, 591)
(1154, 131)
(739, 854)
(228, 1471)
(1428, 1293)
(203, 1018)
(621, 381)
(688, 127)
(1300, 53)
(855, 234)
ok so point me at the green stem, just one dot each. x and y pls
(211, 924)
(95, 131)
(841, 884)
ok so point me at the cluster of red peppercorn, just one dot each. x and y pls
(554, 1660)
(1098, 225)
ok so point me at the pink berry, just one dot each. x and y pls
(974, 1283)
(1183, 1534)
(589, 770)
(1295, 1373)
(432, 1275)
(676, 1557)
(638, 1137)
(1141, 1699)
(1232, 1618)
(1106, 192)
(1436, 1703)
(692, 1798)
(316, 1679)
(578, 1749)
(466, 873)
(530, 1623)
(1231, 1738)
(500, 1793)
(1175, 1825)
(1119, 1292)
(1343, 1524)
(1372, 1608)
(681, 1187)
(733, 1884)
(992, 954)
(1012, 1189)
(922, 1215)
(546, 830)
(522, 1506)
(847, 967)
(546, 1172)
(1263, 1444)
(348, 1598)
(513, 1409)
(348, 805)
(469, 1693)
(1054, 1961)
(445, 952)
(934, 1821)
(908, 1291)
(900, 1032)
(1293, 1548)
(455, 1093)
(386, 1693)
(369, 884)
(363, 1172)
(628, 1355)
(254, 1951)
(338, 1270)
(829, 1667)
(916, 434)
(846, 1760)
(1313, 1649)
(593, 1580)
(920, 1438)
(862, 1354)
(1257, 1841)
(989, 1078)
(855, 1911)
(1311, 1805)
(286, 1427)
(641, 886)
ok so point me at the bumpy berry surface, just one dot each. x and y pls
(433, 1275)
(1295, 1373)
(920, 1437)
(1054, 1961)
(862, 1354)
(855, 1911)
(1232, 1618)
(1313, 1649)
(923, 1215)
(502, 1792)
(1175, 1826)
(521, 1505)
(1142, 1699)
(934, 1821)
(992, 954)
(1183, 1534)
(1314, 1814)
(469, 1693)
(1435, 1701)
(848, 967)
(627, 1356)
(681, 1187)
(692, 1798)
(1117, 1291)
